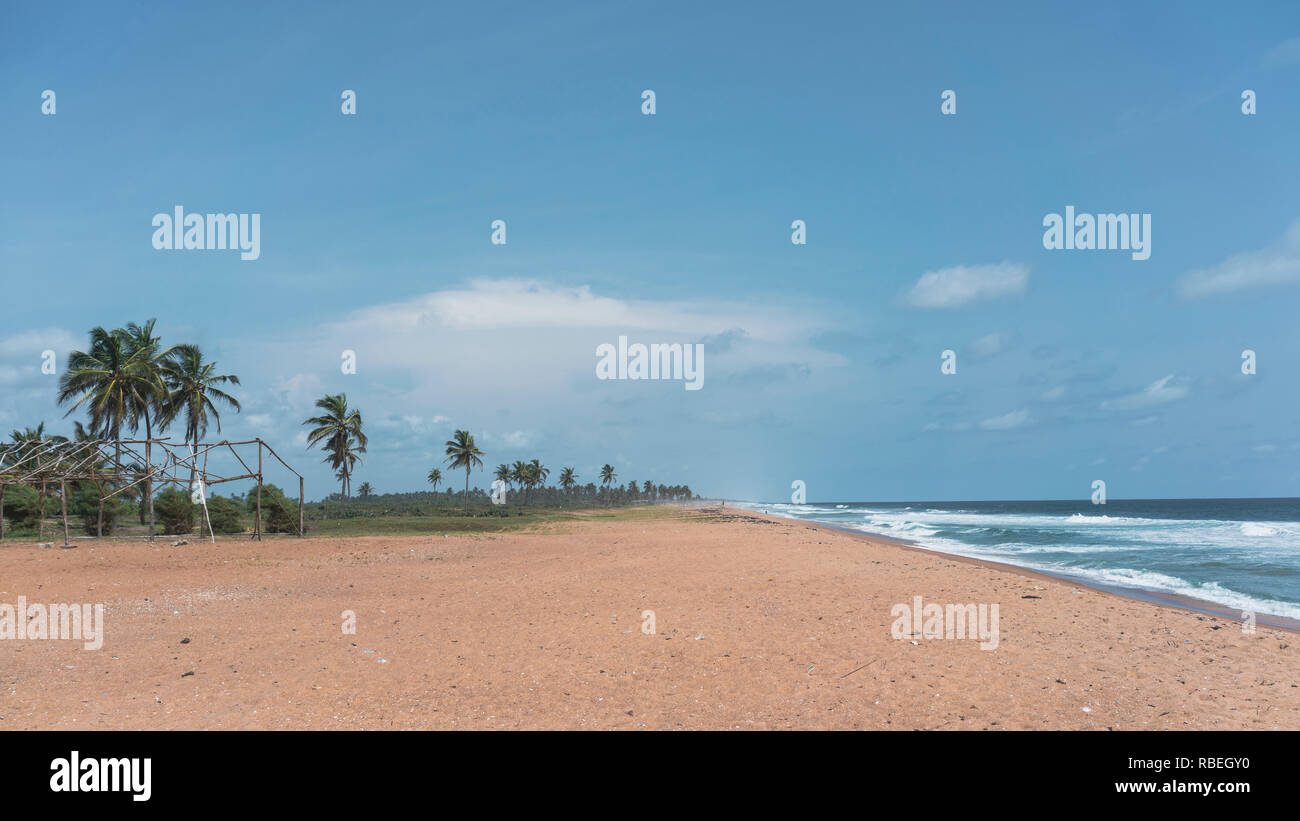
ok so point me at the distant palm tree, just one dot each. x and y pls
(502, 474)
(648, 489)
(519, 475)
(567, 480)
(607, 476)
(463, 453)
(538, 473)
(339, 429)
(192, 388)
(435, 479)
(365, 490)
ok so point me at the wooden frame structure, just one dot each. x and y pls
(121, 464)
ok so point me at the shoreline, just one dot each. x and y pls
(1173, 600)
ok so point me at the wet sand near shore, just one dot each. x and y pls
(760, 623)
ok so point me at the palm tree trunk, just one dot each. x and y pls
(99, 525)
(467, 487)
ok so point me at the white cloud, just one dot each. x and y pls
(1158, 392)
(1054, 394)
(1007, 421)
(1284, 53)
(963, 284)
(20, 354)
(1275, 265)
(989, 345)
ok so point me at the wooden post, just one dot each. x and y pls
(99, 524)
(257, 532)
(302, 531)
(148, 483)
(63, 504)
(41, 529)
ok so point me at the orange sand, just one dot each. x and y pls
(760, 624)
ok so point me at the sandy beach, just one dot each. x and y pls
(759, 624)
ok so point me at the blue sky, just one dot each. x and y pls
(822, 361)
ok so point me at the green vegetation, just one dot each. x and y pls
(126, 380)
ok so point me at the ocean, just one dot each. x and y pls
(1241, 554)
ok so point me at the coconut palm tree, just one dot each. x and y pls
(193, 395)
(365, 490)
(463, 453)
(339, 432)
(435, 478)
(568, 478)
(108, 381)
(502, 474)
(537, 473)
(519, 475)
(607, 476)
(150, 398)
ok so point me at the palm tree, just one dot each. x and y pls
(339, 429)
(435, 478)
(463, 453)
(519, 474)
(365, 490)
(648, 489)
(607, 476)
(567, 480)
(193, 393)
(150, 399)
(108, 379)
(537, 473)
(502, 474)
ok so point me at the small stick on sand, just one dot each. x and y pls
(851, 672)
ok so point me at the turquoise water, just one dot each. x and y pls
(1243, 554)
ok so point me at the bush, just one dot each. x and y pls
(174, 511)
(279, 515)
(85, 504)
(23, 506)
(224, 515)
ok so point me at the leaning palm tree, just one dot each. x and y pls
(339, 432)
(607, 476)
(149, 400)
(193, 395)
(463, 453)
(568, 478)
